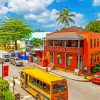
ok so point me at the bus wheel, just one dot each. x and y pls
(38, 97)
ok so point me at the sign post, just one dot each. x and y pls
(5, 70)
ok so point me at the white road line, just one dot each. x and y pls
(16, 81)
(29, 96)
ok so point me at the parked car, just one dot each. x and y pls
(16, 61)
(6, 57)
(96, 78)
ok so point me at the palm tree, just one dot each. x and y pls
(65, 17)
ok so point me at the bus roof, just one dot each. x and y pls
(42, 75)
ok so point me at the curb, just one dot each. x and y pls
(70, 78)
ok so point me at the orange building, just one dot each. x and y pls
(73, 48)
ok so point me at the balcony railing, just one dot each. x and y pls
(63, 49)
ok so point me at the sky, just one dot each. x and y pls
(42, 14)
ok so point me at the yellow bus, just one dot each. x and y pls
(43, 85)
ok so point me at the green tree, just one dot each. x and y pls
(36, 42)
(65, 17)
(15, 29)
(93, 26)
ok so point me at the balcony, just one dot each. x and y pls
(63, 49)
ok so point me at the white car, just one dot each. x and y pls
(16, 61)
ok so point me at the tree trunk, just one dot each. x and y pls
(16, 47)
(5, 46)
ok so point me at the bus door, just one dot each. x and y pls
(26, 80)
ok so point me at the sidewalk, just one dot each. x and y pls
(61, 73)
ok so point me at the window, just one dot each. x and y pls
(90, 43)
(40, 84)
(22, 75)
(69, 60)
(91, 60)
(59, 57)
(98, 42)
(74, 43)
(51, 43)
(59, 87)
(60, 43)
(94, 42)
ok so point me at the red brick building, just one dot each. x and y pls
(73, 48)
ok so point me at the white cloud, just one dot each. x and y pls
(34, 6)
(3, 10)
(79, 19)
(37, 10)
(44, 17)
(96, 2)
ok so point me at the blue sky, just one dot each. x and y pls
(41, 14)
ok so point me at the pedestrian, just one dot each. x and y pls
(85, 71)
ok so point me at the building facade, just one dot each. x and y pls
(73, 48)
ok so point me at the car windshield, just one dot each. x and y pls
(17, 59)
(59, 87)
(6, 56)
(97, 76)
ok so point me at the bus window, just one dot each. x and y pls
(37, 83)
(41, 85)
(46, 88)
(22, 75)
(30, 79)
(59, 87)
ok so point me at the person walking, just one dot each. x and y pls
(85, 71)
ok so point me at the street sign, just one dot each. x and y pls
(5, 70)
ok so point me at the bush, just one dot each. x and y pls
(7, 95)
(4, 86)
(95, 69)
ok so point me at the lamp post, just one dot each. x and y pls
(2, 67)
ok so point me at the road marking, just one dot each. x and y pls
(29, 96)
(16, 81)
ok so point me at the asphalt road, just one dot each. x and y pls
(77, 90)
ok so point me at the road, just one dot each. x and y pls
(77, 90)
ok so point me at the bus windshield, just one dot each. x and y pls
(59, 87)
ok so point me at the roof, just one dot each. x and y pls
(79, 29)
(64, 36)
(42, 75)
(72, 28)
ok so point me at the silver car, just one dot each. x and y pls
(16, 61)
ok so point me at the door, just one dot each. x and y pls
(26, 80)
(51, 57)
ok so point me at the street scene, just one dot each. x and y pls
(49, 50)
(77, 90)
